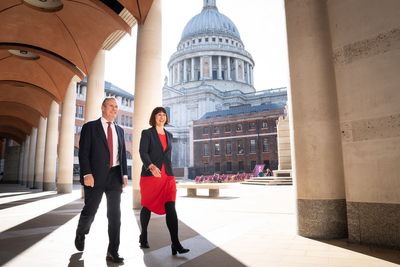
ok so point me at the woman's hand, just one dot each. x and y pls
(155, 170)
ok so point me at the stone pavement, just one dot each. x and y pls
(248, 225)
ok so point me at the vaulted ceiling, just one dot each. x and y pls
(45, 43)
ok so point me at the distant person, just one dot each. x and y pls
(157, 182)
(268, 172)
(103, 169)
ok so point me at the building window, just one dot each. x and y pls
(205, 130)
(217, 167)
(264, 125)
(228, 148)
(239, 127)
(265, 145)
(229, 166)
(241, 166)
(206, 150)
(213, 39)
(253, 146)
(122, 120)
(205, 168)
(252, 165)
(216, 130)
(252, 125)
(240, 147)
(79, 112)
(217, 149)
(199, 40)
(220, 40)
(206, 39)
(227, 128)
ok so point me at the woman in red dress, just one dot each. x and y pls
(157, 182)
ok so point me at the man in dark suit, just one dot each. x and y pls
(103, 169)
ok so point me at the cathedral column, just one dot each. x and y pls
(252, 75)
(179, 72)
(66, 142)
(50, 158)
(32, 154)
(192, 66)
(95, 88)
(219, 68)
(236, 69)
(201, 68)
(210, 70)
(148, 92)
(40, 152)
(228, 72)
(248, 73)
(184, 70)
(171, 77)
(317, 162)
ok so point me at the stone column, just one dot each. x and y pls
(50, 158)
(148, 93)
(95, 91)
(26, 161)
(66, 143)
(248, 73)
(317, 155)
(201, 69)
(184, 70)
(171, 77)
(236, 69)
(210, 70)
(21, 162)
(192, 66)
(228, 72)
(219, 68)
(40, 152)
(32, 155)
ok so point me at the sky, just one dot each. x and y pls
(261, 24)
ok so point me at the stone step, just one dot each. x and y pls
(269, 181)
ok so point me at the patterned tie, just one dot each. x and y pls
(110, 143)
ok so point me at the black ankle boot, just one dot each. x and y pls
(143, 242)
(178, 249)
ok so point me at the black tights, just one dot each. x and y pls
(171, 218)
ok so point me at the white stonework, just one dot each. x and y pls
(210, 71)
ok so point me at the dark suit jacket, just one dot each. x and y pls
(94, 155)
(151, 151)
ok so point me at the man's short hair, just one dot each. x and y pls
(108, 98)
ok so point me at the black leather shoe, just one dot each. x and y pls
(143, 242)
(80, 242)
(178, 249)
(114, 257)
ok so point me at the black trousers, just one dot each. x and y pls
(93, 196)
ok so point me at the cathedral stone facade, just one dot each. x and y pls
(210, 71)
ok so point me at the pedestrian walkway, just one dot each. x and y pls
(248, 225)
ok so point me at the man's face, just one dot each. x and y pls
(110, 109)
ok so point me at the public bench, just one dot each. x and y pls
(213, 188)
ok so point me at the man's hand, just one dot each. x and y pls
(154, 170)
(124, 180)
(88, 180)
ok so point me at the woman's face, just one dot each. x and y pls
(161, 118)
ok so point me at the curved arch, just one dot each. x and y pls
(15, 122)
(18, 110)
(26, 94)
(14, 137)
(12, 131)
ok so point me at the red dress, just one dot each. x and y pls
(156, 191)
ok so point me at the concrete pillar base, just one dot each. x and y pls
(49, 186)
(374, 223)
(38, 185)
(64, 188)
(323, 219)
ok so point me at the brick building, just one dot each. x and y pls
(124, 117)
(235, 140)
